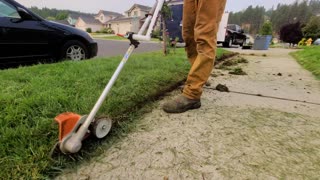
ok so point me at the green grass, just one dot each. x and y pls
(30, 98)
(309, 58)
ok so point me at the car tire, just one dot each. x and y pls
(74, 50)
(228, 43)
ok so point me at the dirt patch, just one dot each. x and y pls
(226, 143)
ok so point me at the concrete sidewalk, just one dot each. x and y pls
(232, 136)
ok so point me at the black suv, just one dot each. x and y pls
(234, 36)
(24, 36)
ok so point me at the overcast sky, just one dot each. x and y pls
(93, 6)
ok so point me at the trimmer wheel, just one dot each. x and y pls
(101, 127)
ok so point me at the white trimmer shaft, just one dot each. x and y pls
(72, 142)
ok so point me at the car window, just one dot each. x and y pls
(238, 28)
(7, 10)
(231, 26)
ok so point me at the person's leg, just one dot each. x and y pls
(201, 50)
(208, 14)
(188, 22)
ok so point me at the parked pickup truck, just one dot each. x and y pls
(234, 35)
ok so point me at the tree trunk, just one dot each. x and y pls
(164, 36)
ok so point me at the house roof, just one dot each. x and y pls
(142, 7)
(109, 13)
(121, 19)
(76, 15)
(90, 20)
(62, 22)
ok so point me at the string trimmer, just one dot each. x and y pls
(74, 128)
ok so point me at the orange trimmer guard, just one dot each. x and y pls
(67, 121)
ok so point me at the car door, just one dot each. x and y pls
(21, 37)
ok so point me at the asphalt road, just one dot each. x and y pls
(114, 48)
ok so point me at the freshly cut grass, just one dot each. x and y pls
(30, 98)
(309, 58)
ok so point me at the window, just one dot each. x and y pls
(135, 13)
(7, 10)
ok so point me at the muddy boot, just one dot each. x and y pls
(181, 104)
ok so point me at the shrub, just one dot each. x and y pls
(107, 31)
(89, 30)
(266, 28)
(291, 33)
(155, 33)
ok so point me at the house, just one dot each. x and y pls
(72, 19)
(105, 16)
(85, 22)
(95, 22)
(131, 22)
(74, 16)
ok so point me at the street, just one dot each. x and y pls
(115, 47)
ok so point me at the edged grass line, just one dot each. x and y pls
(226, 55)
(309, 58)
(32, 96)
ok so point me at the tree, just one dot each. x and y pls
(312, 29)
(266, 28)
(62, 15)
(291, 33)
(252, 18)
(165, 14)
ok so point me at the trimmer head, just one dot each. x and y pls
(69, 124)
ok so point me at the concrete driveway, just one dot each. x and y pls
(113, 47)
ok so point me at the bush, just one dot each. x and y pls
(155, 33)
(89, 30)
(312, 29)
(107, 31)
(291, 33)
(266, 28)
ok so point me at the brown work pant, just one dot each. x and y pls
(201, 20)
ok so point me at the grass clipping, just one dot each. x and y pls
(31, 97)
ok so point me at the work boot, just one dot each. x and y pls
(181, 104)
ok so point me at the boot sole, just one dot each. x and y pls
(192, 106)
